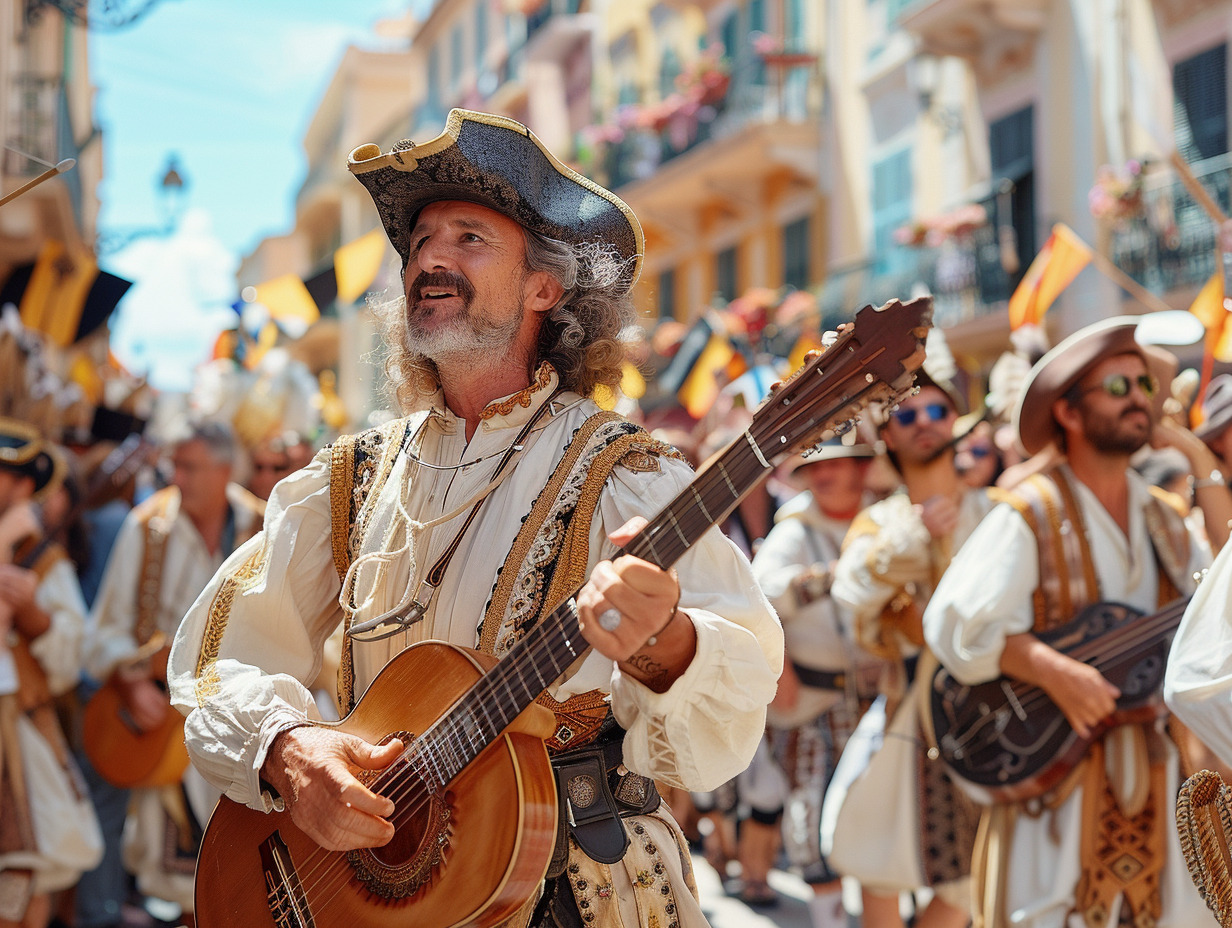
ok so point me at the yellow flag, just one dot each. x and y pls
(286, 297)
(357, 263)
(1208, 306)
(54, 297)
(809, 341)
(1054, 268)
(700, 389)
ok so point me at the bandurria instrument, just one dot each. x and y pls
(476, 811)
(1008, 741)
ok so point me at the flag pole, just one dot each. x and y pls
(1200, 194)
(1127, 283)
(65, 165)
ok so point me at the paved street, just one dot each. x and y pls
(729, 912)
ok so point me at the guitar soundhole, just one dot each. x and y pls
(422, 829)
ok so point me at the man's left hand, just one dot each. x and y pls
(646, 598)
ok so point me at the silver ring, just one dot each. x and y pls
(609, 619)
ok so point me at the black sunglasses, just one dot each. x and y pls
(933, 412)
(1119, 385)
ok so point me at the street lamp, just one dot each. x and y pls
(172, 198)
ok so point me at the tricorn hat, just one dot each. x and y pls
(1216, 407)
(498, 163)
(1061, 368)
(23, 451)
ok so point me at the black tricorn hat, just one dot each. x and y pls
(498, 163)
(23, 451)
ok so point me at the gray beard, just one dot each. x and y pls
(469, 337)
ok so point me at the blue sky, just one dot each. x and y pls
(228, 87)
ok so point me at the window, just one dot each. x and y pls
(1011, 142)
(667, 294)
(796, 254)
(725, 273)
(481, 33)
(891, 209)
(455, 57)
(1200, 104)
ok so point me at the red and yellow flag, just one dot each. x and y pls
(1054, 268)
(1208, 306)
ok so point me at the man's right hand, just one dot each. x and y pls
(313, 769)
(147, 702)
(1080, 691)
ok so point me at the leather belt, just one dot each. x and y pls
(595, 790)
(820, 679)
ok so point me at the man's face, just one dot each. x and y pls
(466, 282)
(201, 478)
(1114, 424)
(837, 485)
(921, 426)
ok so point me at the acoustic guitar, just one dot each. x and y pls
(1007, 740)
(475, 797)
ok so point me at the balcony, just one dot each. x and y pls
(996, 36)
(555, 28)
(759, 123)
(39, 109)
(1169, 243)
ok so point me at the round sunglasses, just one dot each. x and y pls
(1119, 385)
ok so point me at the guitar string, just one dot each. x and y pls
(1031, 696)
(745, 468)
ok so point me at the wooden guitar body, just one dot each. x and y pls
(123, 754)
(1008, 741)
(469, 854)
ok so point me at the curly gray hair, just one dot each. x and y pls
(581, 336)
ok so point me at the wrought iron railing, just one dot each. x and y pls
(1169, 242)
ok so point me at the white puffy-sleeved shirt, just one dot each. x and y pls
(267, 640)
(1198, 682)
(58, 650)
(986, 596)
(804, 536)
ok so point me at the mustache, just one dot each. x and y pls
(450, 280)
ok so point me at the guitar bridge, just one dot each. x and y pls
(287, 902)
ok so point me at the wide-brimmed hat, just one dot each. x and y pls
(24, 451)
(498, 163)
(1062, 367)
(1216, 407)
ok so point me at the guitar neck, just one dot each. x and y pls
(1132, 638)
(545, 652)
(869, 360)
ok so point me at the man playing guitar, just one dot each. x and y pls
(1099, 847)
(503, 488)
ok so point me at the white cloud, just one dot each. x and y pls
(167, 323)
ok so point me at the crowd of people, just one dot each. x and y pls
(258, 578)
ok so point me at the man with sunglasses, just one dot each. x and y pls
(1100, 848)
(891, 560)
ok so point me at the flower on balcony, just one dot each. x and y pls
(956, 225)
(705, 80)
(775, 51)
(1117, 193)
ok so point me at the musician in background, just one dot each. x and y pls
(893, 556)
(1100, 848)
(48, 832)
(827, 682)
(516, 277)
(167, 550)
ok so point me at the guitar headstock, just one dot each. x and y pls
(874, 359)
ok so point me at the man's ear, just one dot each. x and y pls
(1067, 417)
(541, 291)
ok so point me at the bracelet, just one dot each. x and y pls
(1214, 479)
(654, 639)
